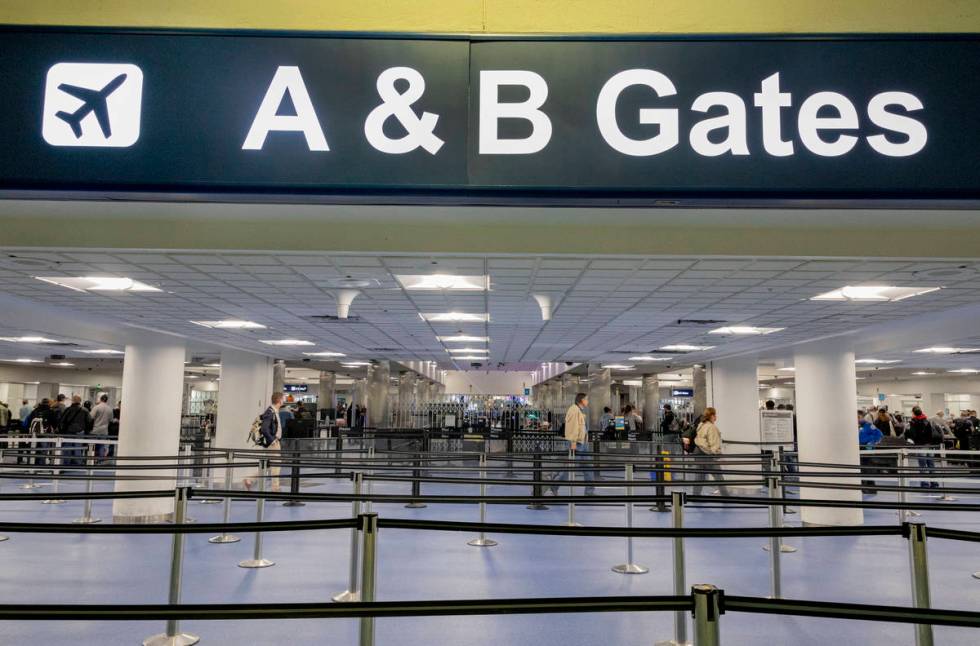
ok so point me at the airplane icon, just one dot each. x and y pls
(92, 105)
(94, 101)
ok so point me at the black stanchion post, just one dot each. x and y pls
(537, 491)
(660, 476)
(294, 469)
(416, 484)
(173, 636)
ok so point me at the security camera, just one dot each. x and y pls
(476, 364)
(569, 363)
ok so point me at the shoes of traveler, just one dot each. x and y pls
(550, 492)
(590, 492)
(934, 485)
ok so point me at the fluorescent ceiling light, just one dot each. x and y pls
(462, 338)
(965, 371)
(231, 324)
(632, 382)
(788, 369)
(444, 281)
(64, 364)
(474, 357)
(922, 373)
(466, 350)
(745, 330)
(99, 283)
(27, 339)
(26, 360)
(287, 342)
(453, 317)
(618, 366)
(684, 347)
(647, 357)
(870, 293)
(102, 351)
(211, 365)
(948, 350)
(355, 364)
(877, 361)
(325, 354)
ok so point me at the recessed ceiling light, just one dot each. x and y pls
(965, 371)
(287, 342)
(355, 364)
(745, 330)
(685, 347)
(231, 324)
(324, 354)
(63, 364)
(867, 293)
(463, 338)
(474, 357)
(788, 369)
(948, 350)
(102, 351)
(466, 350)
(647, 357)
(617, 366)
(27, 339)
(877, 361)
(444, 281)
(632, 382)
(922, 373)
(26, 360)
(437, 317)
(211, 365)
(99, 283)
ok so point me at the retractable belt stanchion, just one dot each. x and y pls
(920, 579)
(942, 481)
(903, 463)
(660, 476)
(707, 612)
(776, 519)
(369, 571)
(294, 469)
(571, 489)
(352, 592)
(483, 541)
(677, 500)
(87, 518)
(30, 484)
(57, 461)
(224, 537)
(370, 484)
(257, 561)
(629, 567)
(416, 485)
(537, 489)
(339, 449)
(173, 636)
(2, 457)
(775, 567)
(208, 478)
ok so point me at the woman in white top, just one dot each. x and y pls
(708, 449)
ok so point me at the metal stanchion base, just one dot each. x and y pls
(87, 521)
(913, 514)
(346, 597)
(53, 501)
(537, 506)
(947, 498)
(7, 538)
(785, 549)
(30, 485)
(293, 503)
(416, 505)
(224, 538)
(210, 501)
(630, 568)
(181, 639)
(789, 511)
(482, 542)
(573, 525)
(672, 642)
(256, 563)
(976, 575)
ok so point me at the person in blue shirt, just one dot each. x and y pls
(868, 437)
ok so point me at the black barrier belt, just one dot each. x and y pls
(186, 528)
(93, 495)
(909, 489)
(407, 497)
(816, 502)
(851, 611)
(953, 534)
(342, 610)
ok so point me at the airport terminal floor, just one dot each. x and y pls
(489, 322)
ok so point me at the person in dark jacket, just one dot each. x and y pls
(75, 420)
(271, 430)
(923, 433)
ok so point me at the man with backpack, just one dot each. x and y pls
(75, 420)
(266, 432)
(924, 433)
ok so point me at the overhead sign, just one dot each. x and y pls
(295, 388)
(682, 392)
(199, 114)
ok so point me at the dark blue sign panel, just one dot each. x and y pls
(295, 388)
(682, 392)
(193, 115)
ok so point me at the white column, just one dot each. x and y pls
(651, 402)
(153, 379)
(278, 376)
(243, 393)
(378, 381)
(600, 380)
(327, 392)
(826, 405)
(733, 390)
(699, 378)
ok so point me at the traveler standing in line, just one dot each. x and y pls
(4, 416)
(924, 433)
(669, 424)
(884, 423)
(770, 404)
(101, 418)
(24, 413)
(271, 430)
(577, 434)
(709, 445)
(74, 421)
(606, 421)
(868, 437)
(633, 420)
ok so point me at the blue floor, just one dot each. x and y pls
(312, 566)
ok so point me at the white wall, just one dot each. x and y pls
(932, 391)
(489, 382)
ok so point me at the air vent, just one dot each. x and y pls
(333, 318)
(384, 349)
(61, 344)
(698, 322)
(962, 272)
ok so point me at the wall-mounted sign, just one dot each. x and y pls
(682, 392)
(113, 110)
(295, 388)
(776, 426)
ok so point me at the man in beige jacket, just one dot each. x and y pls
(577, 434)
